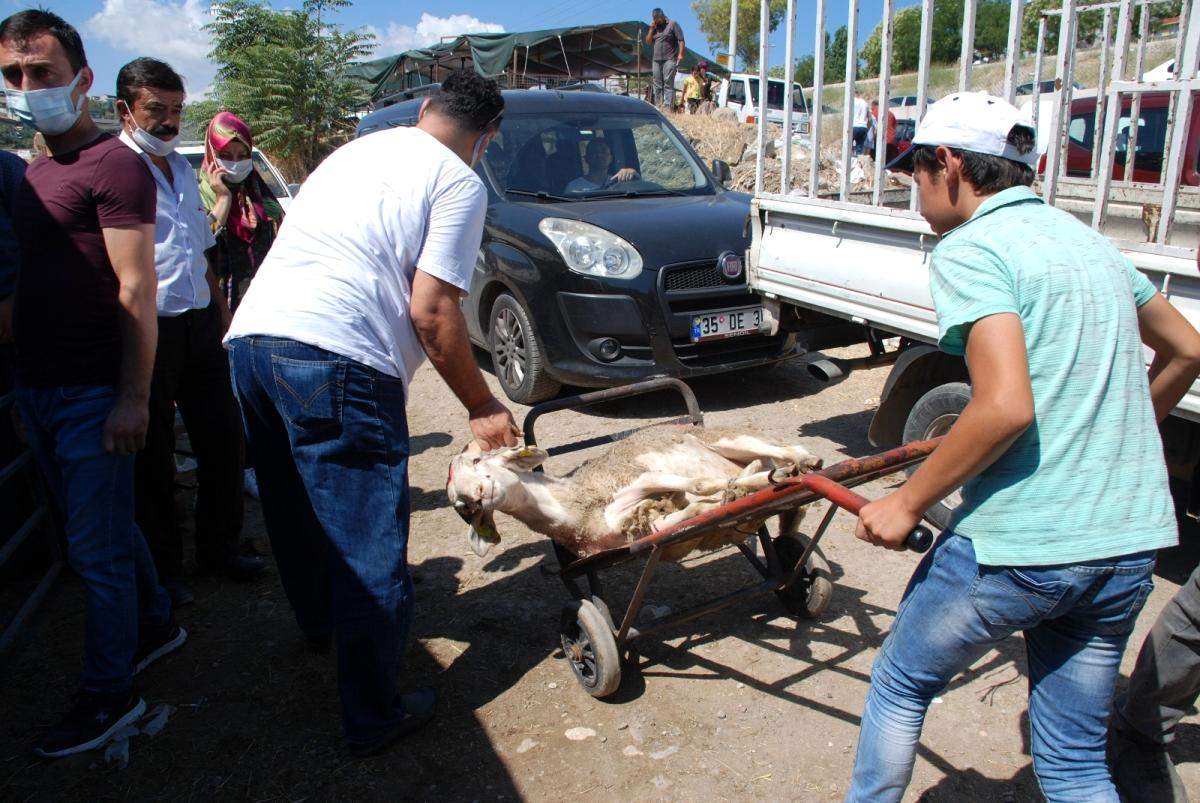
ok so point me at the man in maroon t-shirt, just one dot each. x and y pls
(85, 328)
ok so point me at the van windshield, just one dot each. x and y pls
(582, 156)
(775, 92)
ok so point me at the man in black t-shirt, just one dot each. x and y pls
(666, 37)
(85, 328)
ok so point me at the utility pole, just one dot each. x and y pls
(733, 14)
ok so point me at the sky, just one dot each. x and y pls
(116, 31)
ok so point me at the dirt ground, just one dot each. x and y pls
(746, 703)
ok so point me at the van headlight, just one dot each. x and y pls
(591, 250)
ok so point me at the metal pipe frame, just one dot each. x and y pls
(733, 20)
(789, 77)
(881, 120)
(967, 58)
(764, 32)
(1178, 120)
(926, 45)
(1016, 15)
(1101, 87)
(1135, 106)
(848, 96)
(1108, 135)
(818, 97)
(832, 482)
(1037, 71)
(1055, 156)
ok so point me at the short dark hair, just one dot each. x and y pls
(472, 101)
(146, 73)
(986, 173)
(25, 25)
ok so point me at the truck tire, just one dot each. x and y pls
(517, 354)
(933, 415)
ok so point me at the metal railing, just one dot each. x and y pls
(1120, 91)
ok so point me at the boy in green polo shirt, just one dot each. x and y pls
(1064, 485)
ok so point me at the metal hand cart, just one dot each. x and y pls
(793, 570)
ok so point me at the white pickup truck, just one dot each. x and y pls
(853, 267)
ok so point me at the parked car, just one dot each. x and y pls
(283, 192)
(600, 284)
(1150, 140)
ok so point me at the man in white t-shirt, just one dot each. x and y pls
(861, 122)
(361, 285)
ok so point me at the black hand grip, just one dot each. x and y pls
(919, 540)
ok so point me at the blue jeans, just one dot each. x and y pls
(328, 439)
(1076, 620)
(94, 489)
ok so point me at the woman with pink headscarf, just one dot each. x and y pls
(243, 212)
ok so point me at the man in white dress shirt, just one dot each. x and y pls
(190, 367)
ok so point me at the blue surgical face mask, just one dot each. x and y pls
(50, 111)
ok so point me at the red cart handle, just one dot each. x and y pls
(919, 540)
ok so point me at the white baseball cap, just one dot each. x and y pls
(970, 121)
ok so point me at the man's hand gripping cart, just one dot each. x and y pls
(792, 567)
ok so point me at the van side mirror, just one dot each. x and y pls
(720, 169)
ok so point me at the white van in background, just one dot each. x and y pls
(740, 93)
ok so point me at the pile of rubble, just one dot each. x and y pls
(721, 136)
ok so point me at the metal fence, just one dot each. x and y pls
(1120, 78)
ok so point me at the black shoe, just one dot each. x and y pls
(158, 644)
(1142, 772)
(181, 595)
(91, 723)
(418, 707)
(238, 567)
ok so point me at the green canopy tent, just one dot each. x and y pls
(551, 56)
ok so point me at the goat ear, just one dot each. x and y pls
(523, 457)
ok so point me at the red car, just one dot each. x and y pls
(1152, 129)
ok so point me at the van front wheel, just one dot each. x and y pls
(932, 416)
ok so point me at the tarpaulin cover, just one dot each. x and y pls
(583, 52)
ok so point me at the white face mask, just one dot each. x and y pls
(152, 144)
(237, 171)
(50, 111)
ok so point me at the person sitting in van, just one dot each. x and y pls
(697, 87)
(599, 159)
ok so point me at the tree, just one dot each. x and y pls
(714, 22)
(196, 116)
(835, 56)
(286, 73)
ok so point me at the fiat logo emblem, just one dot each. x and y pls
(730, 265)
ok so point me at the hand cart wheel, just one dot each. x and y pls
(588, 643)
(810, 595)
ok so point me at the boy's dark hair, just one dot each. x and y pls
(472, 101)
(986, 173)
(146, 73)
(25, 25)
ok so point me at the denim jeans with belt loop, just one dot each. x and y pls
(328, 439)
(1076, 620)
(94, 490)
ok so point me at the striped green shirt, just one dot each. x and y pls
(1087, 480)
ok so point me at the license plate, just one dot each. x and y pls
(726, 323)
